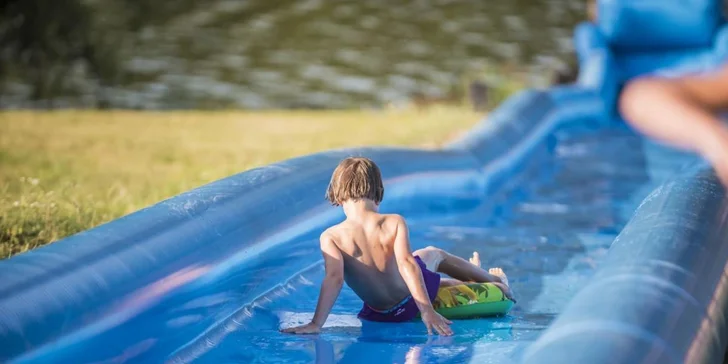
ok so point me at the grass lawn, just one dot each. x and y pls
(67, 171)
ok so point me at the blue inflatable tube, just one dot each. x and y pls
(661, 294)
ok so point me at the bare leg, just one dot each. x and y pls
(435, 258)
(683, 113)
(449, 282)
(441, 261)
(496, 271)
(463, 270)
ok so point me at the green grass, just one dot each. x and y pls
(64, 172)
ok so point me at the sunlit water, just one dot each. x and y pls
(549, 233)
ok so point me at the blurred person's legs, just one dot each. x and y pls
(682, 112)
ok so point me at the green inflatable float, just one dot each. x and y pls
(471, 300)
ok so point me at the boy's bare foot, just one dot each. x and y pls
(500, 274)
(475, 259)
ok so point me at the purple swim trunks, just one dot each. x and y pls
(407, 309)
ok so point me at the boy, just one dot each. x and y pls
(682, 112)
(371, 252)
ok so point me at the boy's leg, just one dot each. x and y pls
(450, 282)
(498, 272)
(438, 260)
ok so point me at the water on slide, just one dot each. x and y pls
(549, 228)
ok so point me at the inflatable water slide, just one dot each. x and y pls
(615, 246)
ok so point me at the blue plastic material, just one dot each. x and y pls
(659, 25)
(541, 188)
(599, 70)
(633, 38)
(661, 294)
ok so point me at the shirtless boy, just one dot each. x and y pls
(683, 112)
(371, 252)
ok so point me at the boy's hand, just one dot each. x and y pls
(434, 320)
(309, 328)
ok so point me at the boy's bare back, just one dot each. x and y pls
(367, 249)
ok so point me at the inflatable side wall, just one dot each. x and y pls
(661, 296)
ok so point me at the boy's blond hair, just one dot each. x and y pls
(355, 178)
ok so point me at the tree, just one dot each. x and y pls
(41, 40)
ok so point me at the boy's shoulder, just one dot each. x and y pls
(391, 223)
(340, 228)
(332, 230)
(396, 218)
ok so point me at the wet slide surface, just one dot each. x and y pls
(548, 227)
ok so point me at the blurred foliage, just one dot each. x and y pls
(41, 41)
(262, 53)
(141, 13)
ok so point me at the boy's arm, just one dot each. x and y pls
(333, 281)
(412, 275)
(330, 288)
